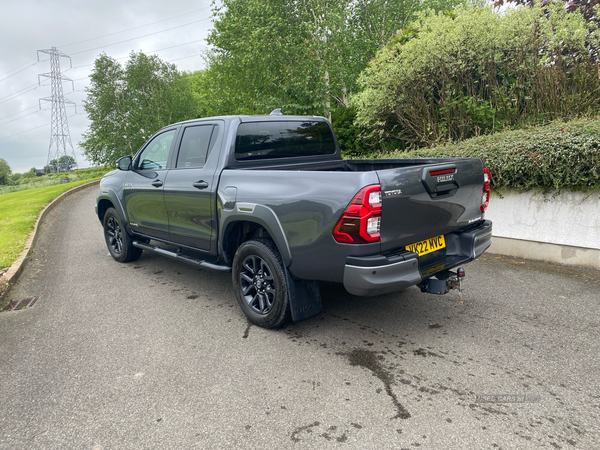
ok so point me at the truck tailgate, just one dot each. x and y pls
(424, 201)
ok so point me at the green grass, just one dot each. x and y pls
(18, 213)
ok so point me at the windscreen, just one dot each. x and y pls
(263, 140)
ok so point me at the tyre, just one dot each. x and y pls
(118, 241)
(259, 283)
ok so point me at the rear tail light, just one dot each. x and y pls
(361, 221)
(485, 198)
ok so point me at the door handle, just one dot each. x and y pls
(200, 184)
(157, 183)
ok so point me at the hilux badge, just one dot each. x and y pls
(394, 192)
(445, 178)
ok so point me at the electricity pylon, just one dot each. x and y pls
(59, 136)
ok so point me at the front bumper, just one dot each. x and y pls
(379, 274)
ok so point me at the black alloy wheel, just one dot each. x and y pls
(119, 242)
(260, 284)
(114, 235)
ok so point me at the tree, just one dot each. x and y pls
(14, 178)
(302, 55)
(31, 173)
(586, 7)
(206, 94)
(52, 167)
(126, 105)
(490, 71)
(5, 172)
(66, 163)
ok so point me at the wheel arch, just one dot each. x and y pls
(110, 200)
(103, 206)
(239, 228)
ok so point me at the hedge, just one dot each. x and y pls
(562, 155)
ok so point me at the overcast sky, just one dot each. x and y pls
(175, 30)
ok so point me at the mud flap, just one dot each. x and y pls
(305, 298)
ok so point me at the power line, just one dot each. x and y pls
(178, 45)
(185, 57)
(34, 128)
(135, 28)
(26, 131)
(139, 37)
(14, 114)
(25, 68)
(170, 60)
(17, 92)
(15, 95)
(19, 118)
(147, 52)
(9, 71)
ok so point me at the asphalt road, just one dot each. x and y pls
(157, 355)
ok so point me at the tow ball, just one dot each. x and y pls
(444, 282)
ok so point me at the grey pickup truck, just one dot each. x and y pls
(269, 199)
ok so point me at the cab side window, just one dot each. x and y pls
(193, 150)
(156, 153)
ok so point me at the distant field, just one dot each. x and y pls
(54, 179)
(18, 213)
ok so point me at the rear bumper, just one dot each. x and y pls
(379, 274)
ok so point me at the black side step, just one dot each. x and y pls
(182, 258)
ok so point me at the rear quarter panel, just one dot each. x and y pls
(307, 205)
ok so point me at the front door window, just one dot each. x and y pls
(156, 153)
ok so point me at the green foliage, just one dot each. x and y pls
(126, 105)
(65, 163)
(207, 95)
(347, 134)
(31, 173)
(303, 56)
(14, 178)
(556, 156)
(451, 76)
(5, 172)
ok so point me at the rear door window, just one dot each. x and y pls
(265, 140)
(194, 146)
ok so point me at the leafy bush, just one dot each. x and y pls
(452, 76)
(347, 133)
(556, 156)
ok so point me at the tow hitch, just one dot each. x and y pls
(445, 281)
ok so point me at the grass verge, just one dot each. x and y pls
(18, 214)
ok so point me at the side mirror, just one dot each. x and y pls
(124, 163)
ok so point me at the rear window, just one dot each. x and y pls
(194, 146)
(262, 140)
